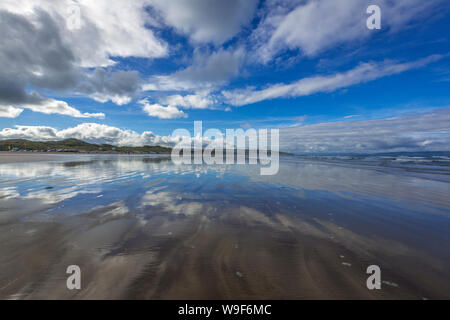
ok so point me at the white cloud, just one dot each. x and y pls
(413, 132)
(9, 112)
(192, 101)
(28, 132)
(90, 132)
(39, 50)
(121, 29)
(364, 72)
(46, 106)
(119, 86)
(315, 26)
(206, 72)
(203, 21)
(51, 106)
(410, 132)
(158, 111)
(117, 99)
(108, 24)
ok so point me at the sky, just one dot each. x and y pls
(132, 72)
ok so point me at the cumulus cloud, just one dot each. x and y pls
(36, 103)
(197, 84)
(10, 112)
(119, 87)
(38, 50)
(29, 132)
(32, 54)
(101, 24)
(191, 101)
(315, 26)
(425, 131)
(161, 112)
(205, 21)
(412, 132)
(46, 51)
(364, 72)
(51, 106)
(206, 72)
(90, 132)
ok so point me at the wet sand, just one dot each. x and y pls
(144, 229)
(13, 157)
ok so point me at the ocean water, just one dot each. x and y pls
(141, 227)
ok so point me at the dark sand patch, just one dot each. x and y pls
(10, 157)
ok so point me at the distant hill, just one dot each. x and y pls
(74, 145)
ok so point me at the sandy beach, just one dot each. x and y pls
(142, 228)
(10, 157)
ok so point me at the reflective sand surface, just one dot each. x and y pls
(140, 227)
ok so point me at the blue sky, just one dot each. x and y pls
(131, 73)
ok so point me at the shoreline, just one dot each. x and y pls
(143, 229)
(20, 157)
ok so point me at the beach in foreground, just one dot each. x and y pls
(140, 227)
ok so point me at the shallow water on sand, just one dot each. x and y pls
(141, 227)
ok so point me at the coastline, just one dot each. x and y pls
(16, 157)
(144, 229)
(19, 157)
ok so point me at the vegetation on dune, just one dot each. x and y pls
(74, 145)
